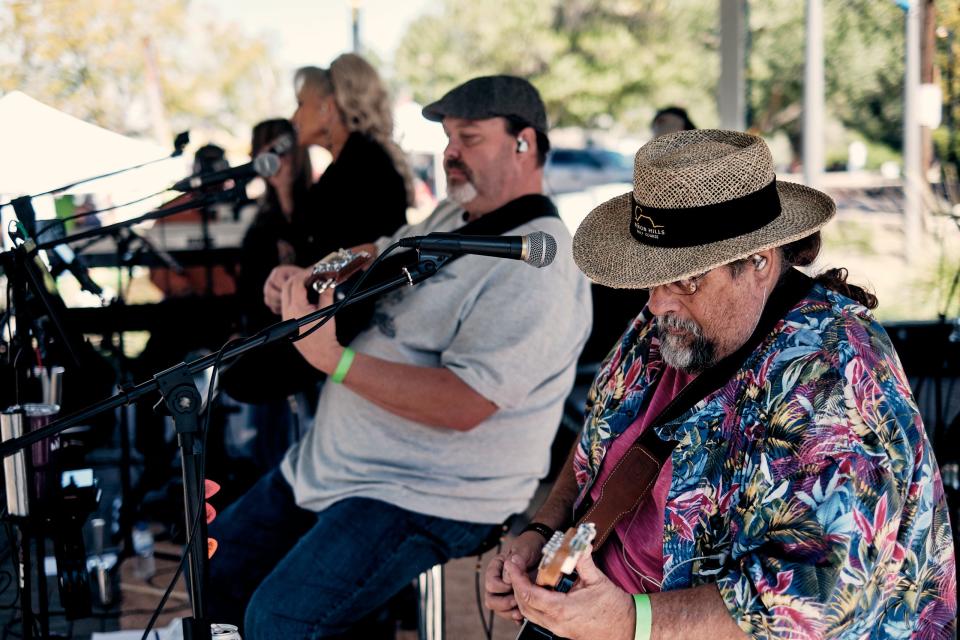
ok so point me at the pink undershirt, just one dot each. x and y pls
(636, 545)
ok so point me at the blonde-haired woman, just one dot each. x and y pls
(346, 110)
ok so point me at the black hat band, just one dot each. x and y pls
(693, 226)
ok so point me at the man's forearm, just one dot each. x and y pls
(557, 510)
(698, 612)
(431, 396)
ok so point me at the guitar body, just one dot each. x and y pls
(531, 631)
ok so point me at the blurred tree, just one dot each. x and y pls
(597, 60)
(137, 67)
(947, 137)
(594, 61)
(864, 45)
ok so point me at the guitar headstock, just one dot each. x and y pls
(334, 269)
(562, 552)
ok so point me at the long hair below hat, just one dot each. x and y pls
(700, 199)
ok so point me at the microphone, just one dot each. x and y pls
(282, 145)
(537, 249)
(69, 261)
(264, 165)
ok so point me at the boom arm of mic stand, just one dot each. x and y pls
(179, 143)
(206, 200)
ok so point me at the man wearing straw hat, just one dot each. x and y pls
(790, 491)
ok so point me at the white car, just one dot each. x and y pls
(577, 169)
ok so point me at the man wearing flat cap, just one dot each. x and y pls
(397, 474)
(752, 459)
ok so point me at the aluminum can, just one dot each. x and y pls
(224, 632)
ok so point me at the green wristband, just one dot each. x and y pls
(343, 366)
(644, 617)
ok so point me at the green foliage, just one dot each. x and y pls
(592, 60)
(134, 66)
(947, 137)
(863, 44)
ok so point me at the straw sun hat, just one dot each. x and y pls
(700, 199)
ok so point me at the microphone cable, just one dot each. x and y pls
(355, 289)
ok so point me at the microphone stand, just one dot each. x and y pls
(23, 206)
(205, 200)
(182, 399)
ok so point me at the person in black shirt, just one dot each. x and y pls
(274, 237)
(346, 110)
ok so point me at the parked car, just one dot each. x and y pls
(577, 169)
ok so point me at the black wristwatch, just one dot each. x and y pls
(540, 528)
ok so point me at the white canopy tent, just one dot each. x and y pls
(44, 148)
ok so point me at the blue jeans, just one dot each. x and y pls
(302, 574)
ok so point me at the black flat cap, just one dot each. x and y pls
(491, 97)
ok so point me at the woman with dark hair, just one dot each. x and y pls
(276, 236)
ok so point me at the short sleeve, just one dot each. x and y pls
(525, 328)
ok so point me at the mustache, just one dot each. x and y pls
(665, 323)
(459, 166)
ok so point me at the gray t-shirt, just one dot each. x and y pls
(511, 332)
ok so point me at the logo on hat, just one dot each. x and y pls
(646, 225)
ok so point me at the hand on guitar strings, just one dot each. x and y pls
(498, 593)
(593, 608)
(273, 287)
(320, 348)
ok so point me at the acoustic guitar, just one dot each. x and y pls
(557, 570)
(335, 268)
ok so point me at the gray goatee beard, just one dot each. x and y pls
(693, 354)
(462, 193)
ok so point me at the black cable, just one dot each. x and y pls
(86, 214)
(487, 626)
(201, 511)
(3, 589)
(6, 628)
(9, 315)
(486, 623)
(354, 289)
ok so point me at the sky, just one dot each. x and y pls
(313, 32)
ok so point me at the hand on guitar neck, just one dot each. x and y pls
(335, 268)
(571, 598)
(318, 277)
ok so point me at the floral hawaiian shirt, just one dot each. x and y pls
(804, 487)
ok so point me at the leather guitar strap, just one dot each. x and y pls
(632, 479)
